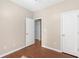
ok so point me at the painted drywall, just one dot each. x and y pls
(37, 29)
(51, 21)
(12, 26)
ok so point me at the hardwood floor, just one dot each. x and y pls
(36, 51)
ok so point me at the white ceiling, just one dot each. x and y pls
(34, 5)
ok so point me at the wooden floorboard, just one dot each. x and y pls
(36, 51)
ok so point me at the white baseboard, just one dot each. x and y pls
(11, 51)
(52, 48)
(32, 42)
(72, 53)
(76, 53)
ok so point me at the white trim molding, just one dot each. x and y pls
(72, 53)
(76, 53)
(52, 49)
(11, 51)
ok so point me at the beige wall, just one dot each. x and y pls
(12, 26)
(51, 21)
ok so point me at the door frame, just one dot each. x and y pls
(40, 28)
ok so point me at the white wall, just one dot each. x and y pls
(12, 26)
(51, 21)
(37, 29)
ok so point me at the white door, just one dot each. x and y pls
(29, 31)
(68, 32)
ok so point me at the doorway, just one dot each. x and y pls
(38, 31)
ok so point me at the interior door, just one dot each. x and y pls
(29, 31)
(68, 32)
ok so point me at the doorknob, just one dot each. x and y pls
(63, 35)
(78, 32)
(26, 33)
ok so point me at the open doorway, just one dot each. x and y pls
(38, 31)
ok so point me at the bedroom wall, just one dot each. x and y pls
(12, 26)
(51, 21)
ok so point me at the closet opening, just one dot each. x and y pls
(38, 32)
